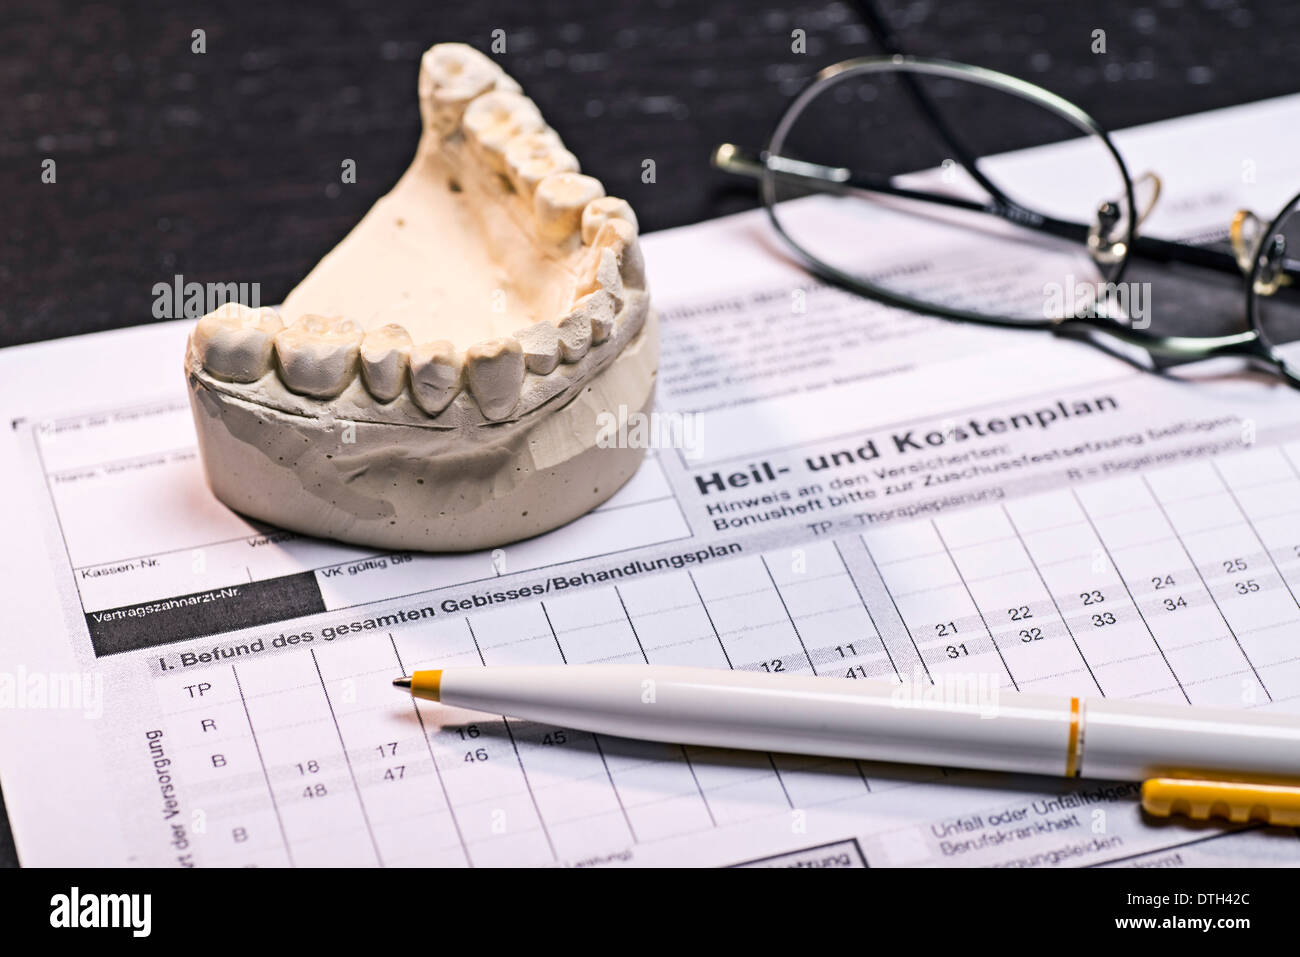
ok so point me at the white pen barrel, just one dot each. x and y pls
(871, 720)
(1131, 740)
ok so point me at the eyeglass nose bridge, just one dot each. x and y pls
(1246, 236)
(1105, 249)
(1272, 263)
(1105, 236)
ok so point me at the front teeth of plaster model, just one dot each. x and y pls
(437, 381)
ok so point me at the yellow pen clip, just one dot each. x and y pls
(1237, 801)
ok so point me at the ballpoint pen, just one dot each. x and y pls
(1241, 765)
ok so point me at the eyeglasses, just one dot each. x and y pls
(896, 177)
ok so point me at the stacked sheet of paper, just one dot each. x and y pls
(838, 488)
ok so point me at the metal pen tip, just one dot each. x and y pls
(402, 683)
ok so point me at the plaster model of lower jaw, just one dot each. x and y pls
(437, 381)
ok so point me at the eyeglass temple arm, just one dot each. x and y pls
(891, 45)
(1166, 351)
(836, 179)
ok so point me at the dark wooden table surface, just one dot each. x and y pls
(224, 166)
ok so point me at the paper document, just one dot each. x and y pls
(843, 489)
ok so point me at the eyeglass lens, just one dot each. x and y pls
(1276, 289)
(918, 158)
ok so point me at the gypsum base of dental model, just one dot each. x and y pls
(489, 287)
(418, 487)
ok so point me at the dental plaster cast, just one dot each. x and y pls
(437, 381)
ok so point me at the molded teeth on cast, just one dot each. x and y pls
(484, 132)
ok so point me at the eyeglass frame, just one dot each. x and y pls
(1165, 351)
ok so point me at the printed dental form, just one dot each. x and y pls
(850, 490)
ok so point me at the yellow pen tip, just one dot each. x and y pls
(402, 683)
